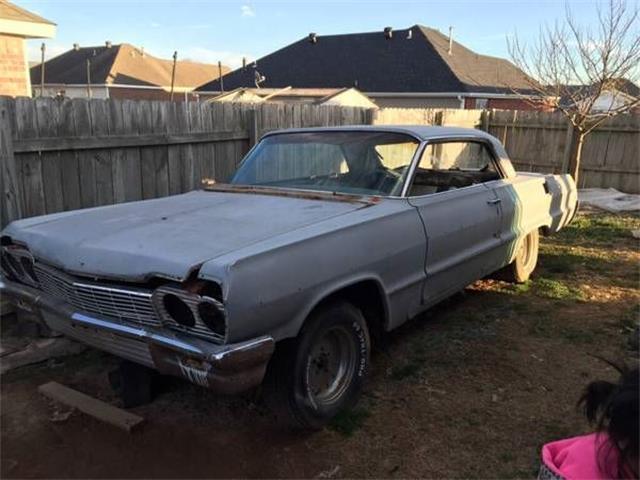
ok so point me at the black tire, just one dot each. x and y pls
(297, 370)
(526, 259)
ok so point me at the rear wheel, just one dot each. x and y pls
(321, 372)
(526, 259)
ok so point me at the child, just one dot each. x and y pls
(610, 452)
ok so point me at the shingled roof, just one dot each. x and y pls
(122, 64)
(412, 60)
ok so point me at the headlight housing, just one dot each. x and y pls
(191, 312)
(17, 264)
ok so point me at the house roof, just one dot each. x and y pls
(413, 60)
(581, 92)
(122, 64)
(18, 21)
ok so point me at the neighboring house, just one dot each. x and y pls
(119, 71)
(416, 67)
(622, 92)
(16, 26)
(345, 97)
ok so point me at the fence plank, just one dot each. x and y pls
(100, 125)
(86, 162)
(12, 207)
(48, 118)
(31, 171)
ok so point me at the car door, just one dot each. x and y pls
(461, 221)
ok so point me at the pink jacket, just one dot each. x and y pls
(588, 457)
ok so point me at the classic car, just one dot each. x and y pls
(322, 239)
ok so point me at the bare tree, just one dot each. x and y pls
(571, 66)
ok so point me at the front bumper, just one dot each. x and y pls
(229, 369)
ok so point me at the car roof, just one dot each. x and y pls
(420, 132)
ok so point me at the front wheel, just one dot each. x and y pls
(321, 372)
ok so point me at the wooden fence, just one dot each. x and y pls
(58, 155)
(539, 141)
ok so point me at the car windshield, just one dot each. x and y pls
(352, 162)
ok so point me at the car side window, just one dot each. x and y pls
(449, 165)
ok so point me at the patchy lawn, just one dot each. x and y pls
(470, 389)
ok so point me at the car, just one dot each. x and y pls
(322, 239)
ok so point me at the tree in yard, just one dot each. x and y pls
(571, 67)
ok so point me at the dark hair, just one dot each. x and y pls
(613, 408)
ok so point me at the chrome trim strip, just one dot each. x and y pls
(137, 333)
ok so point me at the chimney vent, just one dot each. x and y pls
(313, 38)
(76, 46)
(409, 34)
(107, 44)
(388, 33)
(244, 63)
(450, 40)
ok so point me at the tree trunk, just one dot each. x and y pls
(575, 153)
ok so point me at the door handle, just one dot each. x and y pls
(494, 201)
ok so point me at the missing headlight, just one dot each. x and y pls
(212, 316)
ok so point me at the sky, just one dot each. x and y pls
(227, 30)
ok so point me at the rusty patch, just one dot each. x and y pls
(281, 192)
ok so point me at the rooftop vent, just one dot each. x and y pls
(108, 44)
(450, 51)
(76, 46)
(313, 38)
(244, 63)
(388, 33)
(409, 34)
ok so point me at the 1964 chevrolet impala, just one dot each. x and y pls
(323, 237)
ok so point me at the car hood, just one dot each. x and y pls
(168, 236)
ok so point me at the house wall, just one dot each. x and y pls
(512, 104)
(14, 70)
(415, 102)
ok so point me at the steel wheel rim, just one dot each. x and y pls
(331, 365)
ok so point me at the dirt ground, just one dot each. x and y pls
(471, 389)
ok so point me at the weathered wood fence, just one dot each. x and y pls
(58, 155)
(62, 155)
(539, 141)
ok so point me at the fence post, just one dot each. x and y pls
(13, 208)
(252, 127)
(485, 120)
(371, 116)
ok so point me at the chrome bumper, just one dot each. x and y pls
(230, 368)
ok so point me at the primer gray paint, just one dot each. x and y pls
(276, 257)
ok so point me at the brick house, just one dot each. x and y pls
(120, 71)
(16, 26)
(415, 67)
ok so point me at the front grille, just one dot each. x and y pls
(124, 304)
(128, 304)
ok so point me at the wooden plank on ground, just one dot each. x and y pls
(91, 406)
